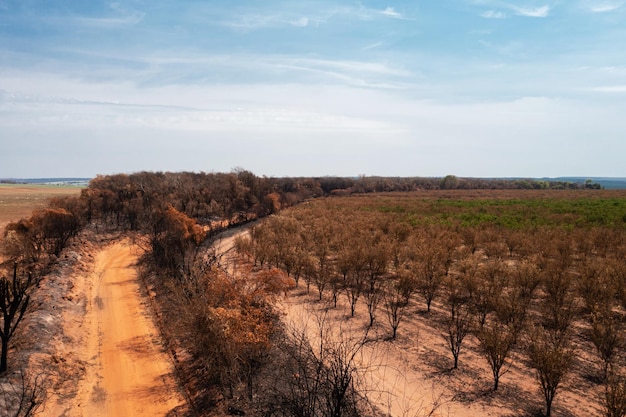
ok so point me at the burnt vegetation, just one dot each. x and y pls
(530, 281)
(509, 270)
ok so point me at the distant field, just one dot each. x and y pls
(19, 200)
(512, 209)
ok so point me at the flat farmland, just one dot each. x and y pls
(19, 200)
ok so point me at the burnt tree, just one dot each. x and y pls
(14, 300)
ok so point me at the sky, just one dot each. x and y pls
(473, 88)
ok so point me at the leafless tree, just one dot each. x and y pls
(606, 337)
(459, 323)
(378, 255)
(551, 356)
(14, 300)
(318, 378)
(354, 288)
(22, 394)
(615, 397)
(431, 254)
(484, 284)
(430, 274)
(320, 246)
(396, 299)
(496, 341)
(526, 277)
(559, 306)
(595, 286)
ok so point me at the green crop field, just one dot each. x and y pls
(518, 209)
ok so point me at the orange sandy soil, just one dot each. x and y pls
(412, 376)
(108, 359)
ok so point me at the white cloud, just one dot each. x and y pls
(492, 14)
(542, 11)
(313, 16)
(372, 46)
(619, 71)
(391, 12)
(611, 89)
(253, 22)
(374, 68)
(302, 22)
(116, 6)
(270, 127)
(190, 68)
(251, 112)
(167, 85)
(110, 22)
(122, 17)
(364, 74)
(365, 13)
(606, 7)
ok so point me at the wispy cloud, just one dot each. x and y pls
(606, 7)
(116, 17)
(611, 89)
(364, 74)
(497, 9)
(121, 17)
(391, 12)
(367, 13)
(308, 67)
(542, 11)
(376, 68)
(302, 17)
(492, 14)
(256, 21)
(109, 22)
(302, 22)
(372, 46)
(195, 68)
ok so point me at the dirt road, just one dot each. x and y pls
(126, 371)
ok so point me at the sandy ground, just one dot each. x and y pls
(124, 371)
(385, 374)
(412, 376)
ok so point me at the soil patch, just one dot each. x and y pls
(111, 340)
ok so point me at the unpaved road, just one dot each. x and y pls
(126, 371)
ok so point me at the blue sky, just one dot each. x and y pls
(482, 88)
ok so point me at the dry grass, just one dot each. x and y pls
(19, 200)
